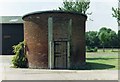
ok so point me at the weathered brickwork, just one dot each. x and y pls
(36, 37)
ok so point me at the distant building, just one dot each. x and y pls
(11, 33)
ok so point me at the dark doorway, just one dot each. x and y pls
(60, 54)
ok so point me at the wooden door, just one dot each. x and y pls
(60, 54)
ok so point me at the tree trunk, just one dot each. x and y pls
(103, 49)
(112, 48)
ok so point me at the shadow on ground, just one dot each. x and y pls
(100, 58)
(94, 66)
(97, 66)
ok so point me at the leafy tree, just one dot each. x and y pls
(110, 38)
(67, 5)
(113, 39)
(103, 37)
(87, 39)
(80, 6)
(116, 14)
(104, 29)
(92, 39)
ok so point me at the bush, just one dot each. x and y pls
(91, 49)
(20, 59)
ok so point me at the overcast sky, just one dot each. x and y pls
(101, 11)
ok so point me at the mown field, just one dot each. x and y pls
(102, 60)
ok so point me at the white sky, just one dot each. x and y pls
(101, 10)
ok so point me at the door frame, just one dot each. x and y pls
(51, 44)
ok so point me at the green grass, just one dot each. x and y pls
(102, 60)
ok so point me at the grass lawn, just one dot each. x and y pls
(102, 60)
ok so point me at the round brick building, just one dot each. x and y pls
(55, 39)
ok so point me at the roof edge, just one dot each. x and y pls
(52, 11)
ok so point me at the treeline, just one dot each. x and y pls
(104, 38)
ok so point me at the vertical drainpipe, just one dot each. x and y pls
(69, 43)
(50, 42)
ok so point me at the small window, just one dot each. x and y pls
(7, 36)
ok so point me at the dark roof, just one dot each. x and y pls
(11, 19)
(53, 11)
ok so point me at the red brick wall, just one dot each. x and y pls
(36, 37)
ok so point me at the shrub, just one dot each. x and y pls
(20, 59)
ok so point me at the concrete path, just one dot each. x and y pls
(43, 74)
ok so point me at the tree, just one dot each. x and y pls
(116, 14)
(113, 39)
(92, 39)
(103, 37)
(110, 38)
(80, 6)
(104, 29)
